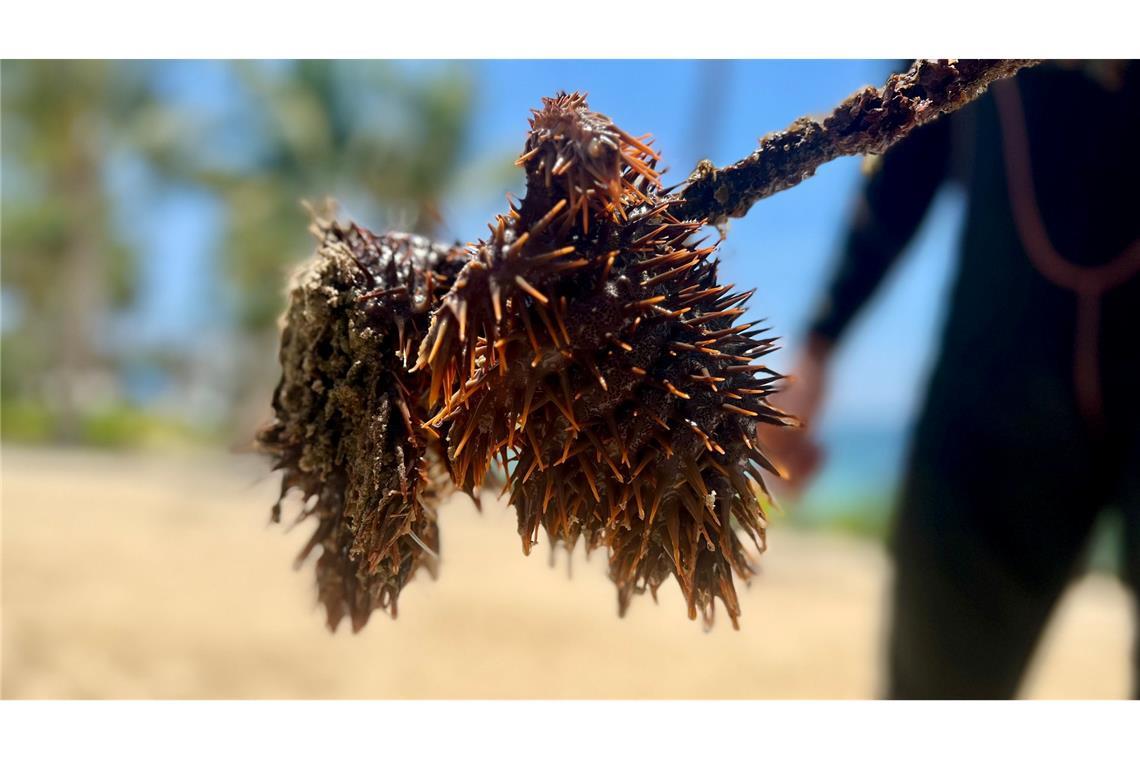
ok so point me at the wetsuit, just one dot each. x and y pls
(1031, 422)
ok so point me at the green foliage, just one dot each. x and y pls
(871, 521)
(862, 514)
(60, 127)
(115, 426)
(64, 259)
(23, 421)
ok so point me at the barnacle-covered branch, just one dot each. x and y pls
(868, 122)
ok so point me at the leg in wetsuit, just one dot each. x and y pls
(996, 510)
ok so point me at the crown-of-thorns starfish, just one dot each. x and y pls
(348, 427)
(588, 345)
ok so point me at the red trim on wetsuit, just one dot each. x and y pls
(1090, 283)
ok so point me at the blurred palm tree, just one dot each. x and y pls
(369, 132)
(387, 138)
(65, 265)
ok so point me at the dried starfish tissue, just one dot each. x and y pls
(347, 428)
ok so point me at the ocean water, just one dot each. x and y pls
(858, 479)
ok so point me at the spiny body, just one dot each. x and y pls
(589, 347)
(348, 427)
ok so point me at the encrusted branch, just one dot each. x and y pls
(868, 122)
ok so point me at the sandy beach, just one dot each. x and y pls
(158, 576)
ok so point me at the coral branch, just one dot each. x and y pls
(870, 121)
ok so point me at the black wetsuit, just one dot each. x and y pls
(1012, 459)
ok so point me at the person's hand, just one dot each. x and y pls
(794, 450)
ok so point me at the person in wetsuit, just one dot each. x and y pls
(1031, 421)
